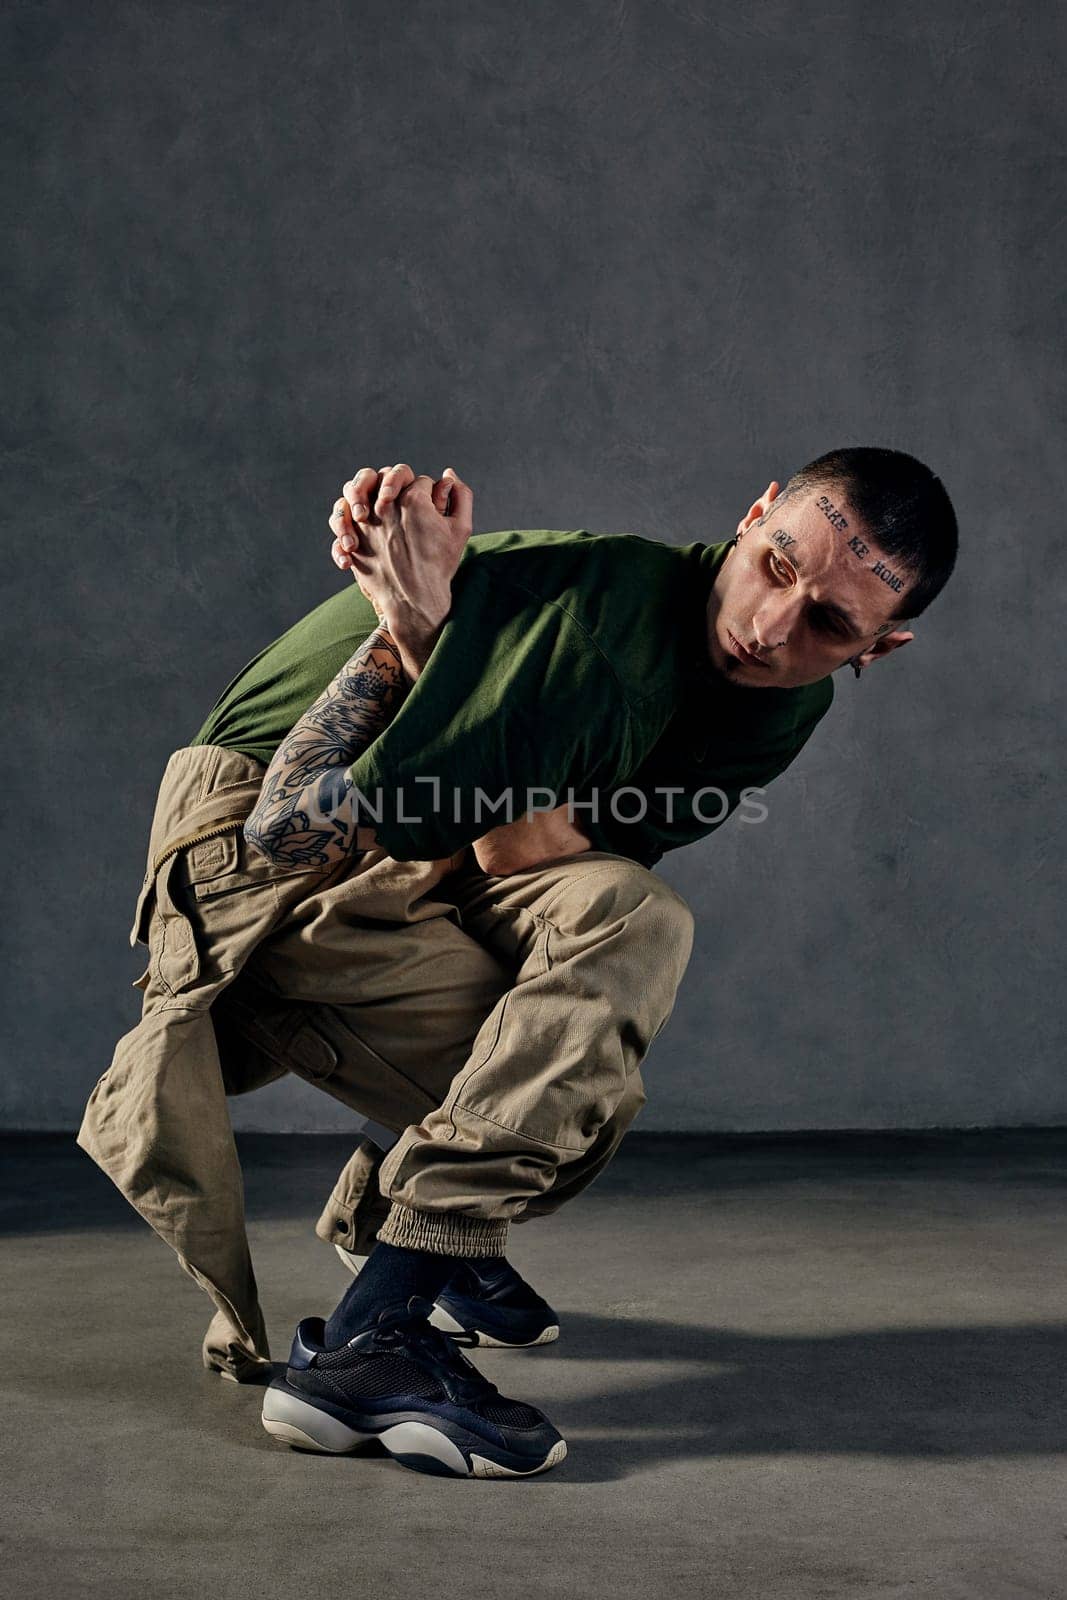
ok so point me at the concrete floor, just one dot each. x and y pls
(788, 1368)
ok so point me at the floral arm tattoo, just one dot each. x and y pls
(306, 814)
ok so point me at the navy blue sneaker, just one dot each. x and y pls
(491, 1301)
(487, 1298)
(408, 1386)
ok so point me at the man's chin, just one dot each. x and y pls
(747, 677)
(743, 673)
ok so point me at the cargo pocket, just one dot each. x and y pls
(278, 1031)
(175, 952)
(228, 864)
(315, 1041)
(215, 904)
(209, 861)
(188, 940)
(361, 1078)
(161, 922)
(209, 904)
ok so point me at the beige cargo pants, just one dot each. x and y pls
(496, 1024)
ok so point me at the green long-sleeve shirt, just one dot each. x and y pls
(570, 661)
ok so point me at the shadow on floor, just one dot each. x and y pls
(671, 1392)
(630, 1391)
(950, 1392)
(953, 1393)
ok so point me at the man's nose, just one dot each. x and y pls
(775, 620)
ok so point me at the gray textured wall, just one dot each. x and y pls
(620, 265)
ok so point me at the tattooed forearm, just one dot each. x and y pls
(306, 812)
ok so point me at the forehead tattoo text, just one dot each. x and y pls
(836, 519)
(831, 513)
(880, 570)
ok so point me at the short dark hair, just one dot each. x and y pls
(904, 507)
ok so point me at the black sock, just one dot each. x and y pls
(390, 1277)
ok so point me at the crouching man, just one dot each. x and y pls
(323, 897)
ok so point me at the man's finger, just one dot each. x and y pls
(441, 491)
(462, 497)
(360, 491)
(343, 527)
(393, 480)
(421, 488)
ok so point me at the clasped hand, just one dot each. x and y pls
(402, 537)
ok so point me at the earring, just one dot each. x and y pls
(852, 663)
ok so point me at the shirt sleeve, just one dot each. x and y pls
(507, 713)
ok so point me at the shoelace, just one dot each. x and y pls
(409, 1325)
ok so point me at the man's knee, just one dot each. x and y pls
(622, 890)
(633, 1097)
(677, 916)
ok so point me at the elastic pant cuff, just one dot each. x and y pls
(443, 1233)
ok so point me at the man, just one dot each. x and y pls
(323, 896)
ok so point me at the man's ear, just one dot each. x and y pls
(758, 509)
(882, 647)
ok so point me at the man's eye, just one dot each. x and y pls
(778, 567)
(829, 623)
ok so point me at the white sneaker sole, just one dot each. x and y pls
(294, 1422)
(447, 1323)
(441, 1318)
